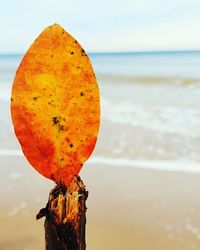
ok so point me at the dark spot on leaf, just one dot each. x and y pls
(11, 99)
(62, 159)
(75, 41)
(55, 120)
(72, 52)
(82, 94)
(71, 145)
(51, 55)
(35, 98)
(83, 52)
(61, 127)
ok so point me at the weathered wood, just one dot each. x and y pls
(66, 217)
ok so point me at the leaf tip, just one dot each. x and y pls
(56, 26)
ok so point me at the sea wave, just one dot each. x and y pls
(5, 87)
(148, 79)
(163, 119)
(161, 165)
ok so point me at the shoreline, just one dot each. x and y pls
(157, 165)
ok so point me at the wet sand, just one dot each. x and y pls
(128, 208)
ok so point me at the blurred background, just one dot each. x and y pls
(143, 177)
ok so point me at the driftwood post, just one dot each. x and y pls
(65, 215)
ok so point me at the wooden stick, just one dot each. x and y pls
(65, 217)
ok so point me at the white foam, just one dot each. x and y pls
(161, 165)
(15, 175)
(10, 152)
(17, 209)
(163, 119)
(5, 91)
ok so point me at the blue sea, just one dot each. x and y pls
(150, 115)
(168, 64)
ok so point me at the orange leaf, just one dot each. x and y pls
(55, 105)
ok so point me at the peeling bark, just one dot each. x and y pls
(65, 215)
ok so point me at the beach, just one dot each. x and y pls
(127, 208)
(143, 177)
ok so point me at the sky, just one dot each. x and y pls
(103, 25)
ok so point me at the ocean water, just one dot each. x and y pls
(163, 64)
(150, 115)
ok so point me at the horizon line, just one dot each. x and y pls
(117, 52)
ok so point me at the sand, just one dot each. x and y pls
(128, 208)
